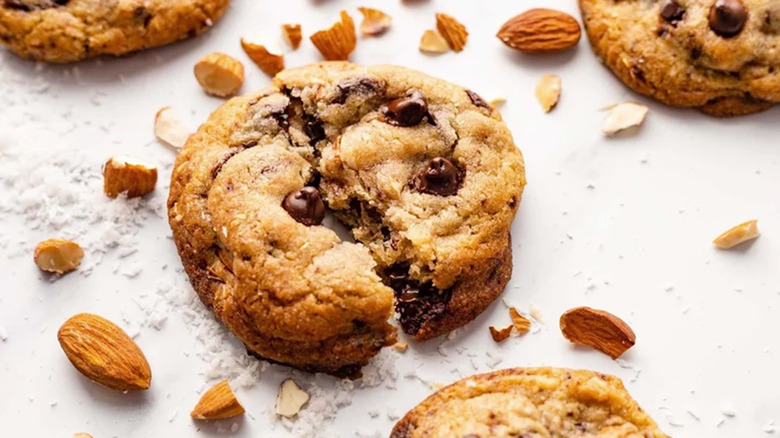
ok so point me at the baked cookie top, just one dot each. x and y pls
(722, 56)
(532, 403)
(424, 172)
(71, 30)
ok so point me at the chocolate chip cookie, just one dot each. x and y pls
(423, 172)
(721, 56)
(71, 30)
(530, 402)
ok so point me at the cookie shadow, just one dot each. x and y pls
(101, 394)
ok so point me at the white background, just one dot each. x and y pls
(623, 224)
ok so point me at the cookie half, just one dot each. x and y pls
(72, 30)
(423, 172)
(721, 56)
(530, 402)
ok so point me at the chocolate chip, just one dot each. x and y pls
(355, 86)
(727, 18)
(406, 111)
(314, 130)
(305, 206)
(477, 100)
(415, 302)
(29, 5)
(671, 11)
(439, 178)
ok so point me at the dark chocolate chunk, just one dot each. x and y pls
(439, 178)
(671, 11)
(415, 302)
(727, 18)
(406, 111)
(355, 86)
(305, 206)
(313, 129)
(477, 100)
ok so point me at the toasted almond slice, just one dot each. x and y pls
(500, 334)
(623, 116)
(219, 74)
(598, 329)
(217, 403)
(104, 353)
(125, 174)
(290, 399)
(375, 22)
(292, 35)
(59, 256)
(453, 32)
(268, 57)
(432, 42)
(169, 129)
(338, 42)
(548, 91)
(401, 346)
(736, 235)
(521, 323)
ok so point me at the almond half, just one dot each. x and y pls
(433, 43)
(169, 129)
(292, 35)
(452, 30)
(130, 175)
(598, 329)
(540, 31)
(58, 256)
(548, 91)
(338, 42)
(269, 58)
(290, 399)
(104, 353)
(738, 234)
(217, 403)
(623, 116)
(219, 74)
(375, 22)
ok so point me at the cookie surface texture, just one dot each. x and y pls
(533, 403)
(424, 173)
(72, 30)
(721, 56)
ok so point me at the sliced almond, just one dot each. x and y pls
(497, 101)
(104, 353)
(598, 329)
(548, 91)
(433, 42)
(736, 235)
(337, 42)
(521, 323)
(219, 74)
(292, 35)
(125, 174)
(540, 31)
(501, 334)
(623, 116)
(169, 129)
(290, 399)
(453, 32)
(217, 403)
(268, 57)
(59, 256)
(401, 346)
(375, 22)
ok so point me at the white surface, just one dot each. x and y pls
(622, 224)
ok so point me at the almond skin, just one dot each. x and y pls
(337, 42)
(217, 403)
(452, 30)
(540, 31)
(104, 353)
(598, 329)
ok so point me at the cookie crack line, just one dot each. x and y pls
(427, 179)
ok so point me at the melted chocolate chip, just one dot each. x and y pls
(313, 129)
(671, 11)
(439, 178)
(415, 302)
(305, 206)
(727, 18)
(355, 86)
(30, 5)
(225, 158)
(477, 100)
(406, 111)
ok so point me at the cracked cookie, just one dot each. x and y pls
(423, 172)
(71, 30)
(530, 402)
(721, 56)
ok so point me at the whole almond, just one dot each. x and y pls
(598, 329)
(217, 403)
(540, 31)
(104, 353)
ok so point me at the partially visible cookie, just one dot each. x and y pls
(721, 56)
(71, 30)
(531, 403)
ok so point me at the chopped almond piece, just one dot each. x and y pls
(219, 74)
(497, 101)
(290, 399)
(82, 435)
(124, 174)
(269, 58)
(500, 335)
(432, 42)
(736, 235)
(217, 403)
(521, 323)
(292, 35)
(548, 91)
(400, 346)
(59, 256)
(453, 32)
(375, 22)
(338, 42)
(169, 129)
(623, 116)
